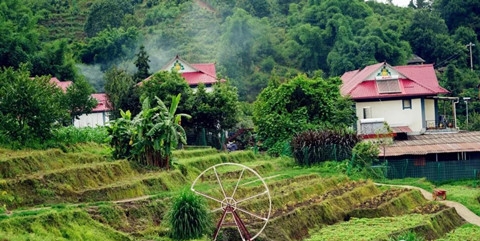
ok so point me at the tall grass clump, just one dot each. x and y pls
(74, 135)
(312, 147)
(189, 217)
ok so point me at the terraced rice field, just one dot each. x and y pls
(83, 195)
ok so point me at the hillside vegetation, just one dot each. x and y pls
(82, 195)
(249, 40)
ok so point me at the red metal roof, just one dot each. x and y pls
(204, 73)
(62, 84)
(195, 78)
(102, 102)
(207, 68)
(101, 98)
(435, 143)
(420, 80)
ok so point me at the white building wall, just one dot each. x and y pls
(393, 113)
(92, 120)
(430, 111)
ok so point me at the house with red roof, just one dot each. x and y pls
(405, 97)
(194, 74)
(98, 116)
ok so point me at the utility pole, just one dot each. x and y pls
(471, 60)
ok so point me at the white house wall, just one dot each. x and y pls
(393, 113)
(92, 120)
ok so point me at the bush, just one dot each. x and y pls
(312, 147)
(189, 217)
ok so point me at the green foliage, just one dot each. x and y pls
(71, 135)
(78, 98)
(313, 147)
(29, 107)
(364, 154)
(20, 39)
(300, 104)
(151, 136)
(216, 110)
(166, 85)
(121, 132)
(408, 236)
(108, 46)
(142, 65)
(121, 91)
(106, 13)
(56, 225)
(188, 217)
(56, 59)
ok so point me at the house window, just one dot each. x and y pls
(407, 104)
(386, 86)
(367, 112)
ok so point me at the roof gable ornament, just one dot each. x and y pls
(177, 66)
(385, 73)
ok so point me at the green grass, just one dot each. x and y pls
(465, 195)
(417, 182)
(467, 232)
(53, 225)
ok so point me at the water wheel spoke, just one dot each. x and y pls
(251, 214)
(219, 182)
(238, 181)
(207, 196)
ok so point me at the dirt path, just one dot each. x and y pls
(463, 211)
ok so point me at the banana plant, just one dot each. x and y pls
(167, 132)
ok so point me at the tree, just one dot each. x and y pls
(55, 59)
(29, 107)
(216, 110)
(142, 65)
(121, 91)
(301, 103)
(459, 13)
(106, 13)
(20, 38)
(108, 46)
(428, 37)
(153, 134)
(165, 85)
(78, 98)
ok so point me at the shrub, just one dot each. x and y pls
(311, 147)
(189, 217)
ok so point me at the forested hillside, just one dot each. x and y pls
(250, 40)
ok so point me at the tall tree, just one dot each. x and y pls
(120, 89)
(56, 59)
(165, 85)
(109, 46)
(142, 65)
(459, 13)
(28, 107)
(78, 98)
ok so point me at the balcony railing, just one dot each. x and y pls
(444, 125)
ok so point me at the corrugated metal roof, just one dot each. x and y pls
(435, 143)
(421, 81)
